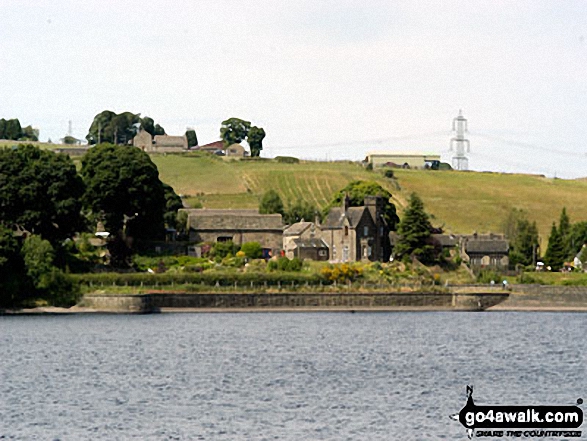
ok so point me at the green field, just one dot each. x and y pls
(462, 202)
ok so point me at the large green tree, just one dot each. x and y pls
(255, 140)
(298, 211)
(234, 130)
(523, 239)
(414, 232)
(271, 203)
(357, 191)
(40, 192)
(123, 190)
(11, 268)
(109, 127)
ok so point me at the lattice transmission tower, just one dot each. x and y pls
(459, 142)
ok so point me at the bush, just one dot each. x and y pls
(287, 159)
(388, 174)
(223, 249)
(486, 276)
(252, 250)
(342, 273)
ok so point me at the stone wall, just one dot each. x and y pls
(303, 301)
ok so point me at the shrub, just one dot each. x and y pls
(252, 250)
(287, 159)
(342, 273)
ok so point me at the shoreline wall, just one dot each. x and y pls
(303, 301)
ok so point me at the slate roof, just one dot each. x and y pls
(310, 243)
(335, 218)
(445, 240)
(227, 220)
(213, 146)
(487, 246)
(297, 228)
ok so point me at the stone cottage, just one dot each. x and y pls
(304, 240)
(485, 251)
(161, 143)
(239, 226)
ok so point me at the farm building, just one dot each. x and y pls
(404, 160)
(238, 226)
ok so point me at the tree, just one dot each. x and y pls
(255, 140)
(108, 127)
(414, 232)
(13, 129)
(564, 229)
(190, 134)
(123, 189)
(234, 130)
(357, 191)
(172, 204)
(523, 238)
(11, 268)
(40, 192)
(578, 236)
(555, 252)
(298, 211)
(271, 203)
(30, 134)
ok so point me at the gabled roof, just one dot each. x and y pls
(487, 246)
(297, 228)
(310, 243)
(216, 145)
(218, 220)
(336, 217)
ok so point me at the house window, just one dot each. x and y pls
(365, 231)
(345, 254)
(322, 252)
(334, 252)
(346, 231)
(224, 239)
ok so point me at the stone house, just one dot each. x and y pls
(161, 143)
(485, 251)
(304, 240)
(236, 151)
(238, 226)
(357, 233)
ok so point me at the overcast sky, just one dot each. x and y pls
(325, 79)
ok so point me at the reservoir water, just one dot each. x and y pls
(279, 376)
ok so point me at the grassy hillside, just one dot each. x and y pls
(463, 202)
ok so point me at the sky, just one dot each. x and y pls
(326, 80)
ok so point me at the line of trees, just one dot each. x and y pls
(45, 202)
(11, 129)
(565, 241)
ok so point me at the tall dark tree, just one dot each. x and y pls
(30, 134)
(564, 230)
(149, 126)
(414, 232)
(11, 268)
(271, 203)
(13, 130)
(40, 192)
(555, 252)
(172, 204)
(357, 191)
(124, 190)
(2, 128)
(523, 239)
(255, 140)
(234, 130)
(192, 138)
(578, 236)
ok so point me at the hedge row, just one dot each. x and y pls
(205, 278)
